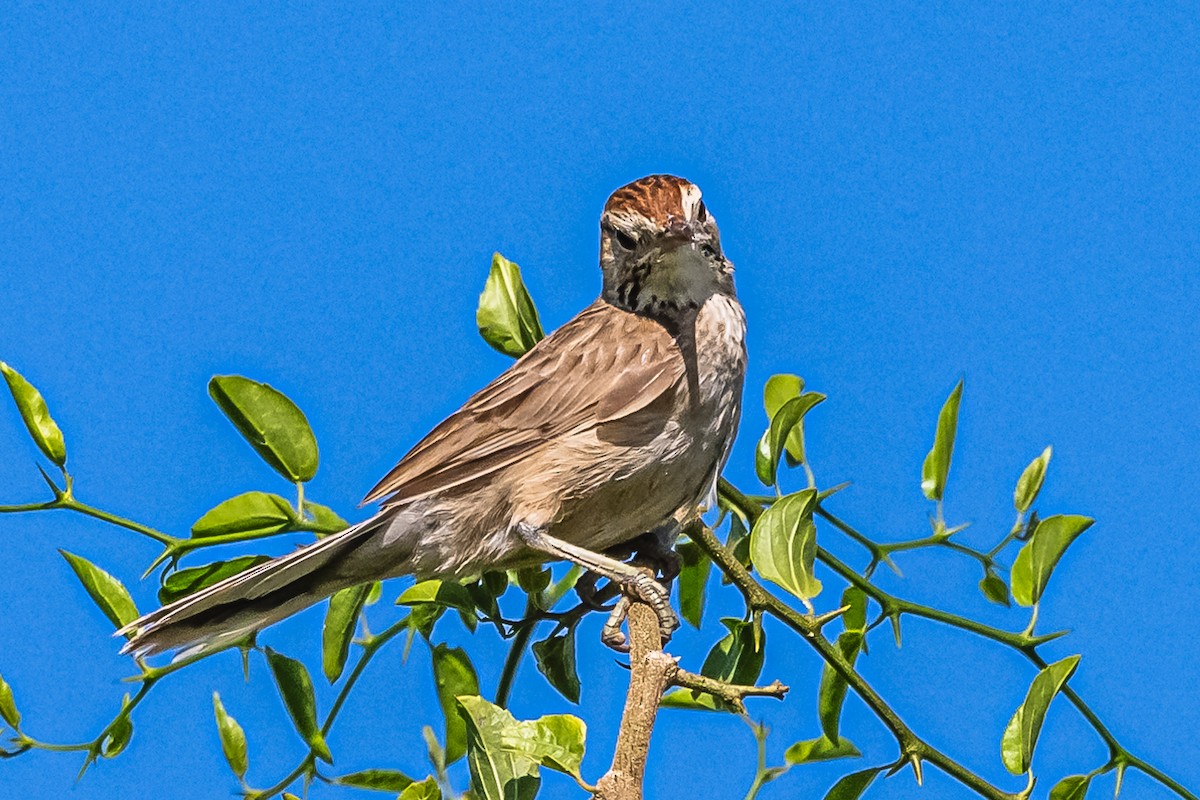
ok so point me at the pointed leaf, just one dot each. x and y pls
(323, 519)
(296, 689)
(233, 739)
(273, 425)
(852, 786)
(8, 707)
(1030, 482)
(822, 749)
(193, 579)
(693, 582)
(1072, 787)
(381, 780)
(783, 544)
(786, 421)
(501, 766)
(506, 316)
(255, 513)
(831, 693)
(778, 390)
(36, 416)
(340, 623)
(427, 789)
(106, 591)
(1037, 558)
(937, 463)
(685, 698)
(738, 657)
(1021, 734)
(454, 675)
(119, 734)
(555, 657)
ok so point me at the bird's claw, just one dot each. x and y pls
(645, 588)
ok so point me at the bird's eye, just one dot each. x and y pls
(702, 213)
(626, 241)
(708, 250)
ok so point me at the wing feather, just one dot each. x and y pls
(602, 367)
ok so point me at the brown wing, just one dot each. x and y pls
(603, 366)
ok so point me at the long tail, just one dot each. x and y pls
(263, 595)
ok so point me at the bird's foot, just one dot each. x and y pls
(644, 587)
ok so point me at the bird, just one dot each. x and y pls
(614, 427)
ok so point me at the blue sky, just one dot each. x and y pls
(310, 197)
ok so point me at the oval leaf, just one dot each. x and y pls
(1021, 734)
(106, 591)
(506, 316)
(256, 513)
(1072, 787)
(502, 768)
(783, 544)
(233, 739)
(322, 519)
(36, 416)
(119, 734)
(1030, 482)
(340, 623)
(822, 749)
(831, 694)
(555, 657)
(442, 593)
(8, 707)
(382, 780)
(994, 589)
(936, 468)
(273, 425)
(296, 689)
(1037, 558)
(193, 579)
(454, 675)
(853, 785)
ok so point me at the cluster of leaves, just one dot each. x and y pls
(771, 537)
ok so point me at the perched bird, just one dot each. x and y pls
(615, 426)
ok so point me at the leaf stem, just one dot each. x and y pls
(516, 650)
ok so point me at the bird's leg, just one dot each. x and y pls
(633, 581)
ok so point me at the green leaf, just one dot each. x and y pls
(1072, 787)
(501, 768)
(233, 739)
(193, 579)
(382, 780)
(1037, 558)
(822, 749)
(119, 734)
(533, 580)
(786, 421)
(256, 513)
(937, 463)
(1021, 734)
(273, 425)
(506, 316)
(1030, 482)
(340, 623)
(738, 542)
(831, 693)
(323, 519)
(777, 391)
(738, 657)
(443, 593)
(36, 416)
(454, 675)
(504, 754)
(693, 581)
(852, 786)
(296, 689)
(555, 657)
(427, 789)
(783, 544)
(8, 707)
(994, 589)
(854, 600)
(687, 699)
(106, 591)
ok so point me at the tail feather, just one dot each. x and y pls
(257, 597)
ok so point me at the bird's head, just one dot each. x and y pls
(660, 250)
